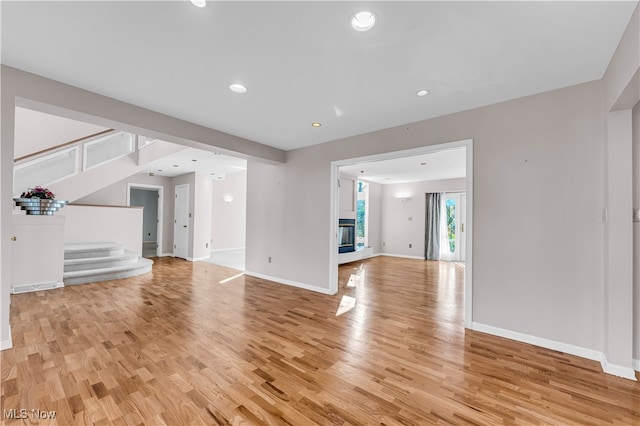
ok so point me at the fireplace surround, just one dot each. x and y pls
(346, 235)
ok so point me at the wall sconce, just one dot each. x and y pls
(227, 198)
(404, 199)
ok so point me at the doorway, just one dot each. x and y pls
(150, 198)
(181, 222)
(467, 144)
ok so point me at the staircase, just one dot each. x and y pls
(94, 262)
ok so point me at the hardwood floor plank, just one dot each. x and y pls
(177, 346)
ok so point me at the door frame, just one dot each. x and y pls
(334, 212)
(160, 189)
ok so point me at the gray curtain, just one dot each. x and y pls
(432, 237)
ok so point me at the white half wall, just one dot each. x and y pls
(90, 224)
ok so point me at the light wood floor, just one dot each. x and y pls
(180, 346)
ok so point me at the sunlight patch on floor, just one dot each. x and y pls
(346, 304)
(226, 280)
(357, 278)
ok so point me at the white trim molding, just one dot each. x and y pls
(6, 344)
(636, 364)
(567, 348)
(26, 288)
(405, 256)
(617, 370)
(226, 249)
(197, 259)
(291, 283)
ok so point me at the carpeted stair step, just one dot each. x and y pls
(94, 262)
(126, 258)
(86, 250)
(104, 274)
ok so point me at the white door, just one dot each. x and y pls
(452, 246)
(181, 222)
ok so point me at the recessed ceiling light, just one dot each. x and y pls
(199, 3)
(175, 165)
(423, 164)
(159, 170)
(212, 174)
(422, 92)
(217, 153)
(194, 160)
(363, 21)
(238, 88)
(316, 124)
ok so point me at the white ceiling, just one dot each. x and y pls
(445, 164)
(189, 160)
(301, 62)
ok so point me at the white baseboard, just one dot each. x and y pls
(594, 355)
(6, 344)
(27, 288)
(197, 259)
(166, 255)
(289, 282)
(227, 249)
(617, 370)
(401, 255)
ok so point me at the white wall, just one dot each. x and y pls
(621, 92)
(51, 131)
(375, 217)
(636, 232)
(404, 223)
(202, 216)
(228, 220)
(347, 196)
(116, 195)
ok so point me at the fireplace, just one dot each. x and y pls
(346, 235)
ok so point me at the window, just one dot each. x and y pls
(45, 170)
(107, 148)
(362, 213)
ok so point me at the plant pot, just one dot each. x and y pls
(38, 206)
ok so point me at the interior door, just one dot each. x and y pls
(181, 222)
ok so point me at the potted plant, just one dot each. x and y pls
(39, 201)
